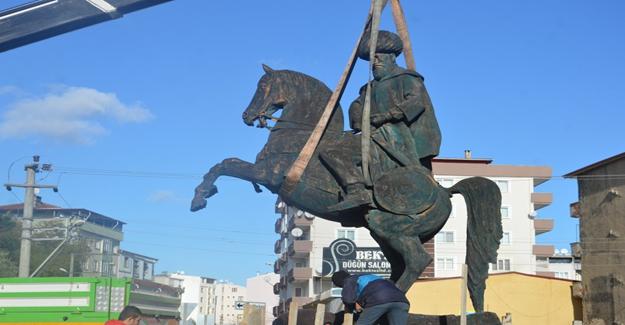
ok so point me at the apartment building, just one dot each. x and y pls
(259, 291)
(228, 298)
(308, 246)
(136, 266)
(197, 303)
(206, 301)
(102, 234)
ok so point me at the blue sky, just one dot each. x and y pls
(162, 91)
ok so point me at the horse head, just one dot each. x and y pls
(269, 98)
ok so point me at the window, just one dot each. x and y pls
(445, 237)
(107, 245)
(445, 263)
(346, 233)
(234, 289)
(504, 186)
(445, 182)
(501, 265)
(127, 261)
(561, 275)
(298, 292)
(505, 240)
(505, 212)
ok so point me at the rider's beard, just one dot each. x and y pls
(379, 71)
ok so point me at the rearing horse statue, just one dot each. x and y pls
(400, 236)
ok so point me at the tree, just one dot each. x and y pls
(8, 268)
(10, 237)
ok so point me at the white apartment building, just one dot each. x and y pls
(259, 290)
(518, 250)
(562, 265)
(135, 266)
(303, 237)
(197, 305)
(206, 301)
(226, 296)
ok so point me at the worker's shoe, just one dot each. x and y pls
(357, 196)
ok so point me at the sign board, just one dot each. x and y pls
(344, 255)
(240, 305)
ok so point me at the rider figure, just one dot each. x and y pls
(404, 130)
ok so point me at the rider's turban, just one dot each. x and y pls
(388, 42)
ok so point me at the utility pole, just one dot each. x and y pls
(27, 218)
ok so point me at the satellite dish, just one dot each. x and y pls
(299, 213)
(309, 216)
(564, 251)
(297, 232)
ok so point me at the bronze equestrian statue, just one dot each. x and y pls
(401, 205)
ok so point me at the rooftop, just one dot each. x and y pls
(585, 170)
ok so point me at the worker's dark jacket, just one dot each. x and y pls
(376, 292)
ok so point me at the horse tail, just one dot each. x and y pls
(484, 231)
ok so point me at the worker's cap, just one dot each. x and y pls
(338, 278)
(388, 42)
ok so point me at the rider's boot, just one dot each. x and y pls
(357, 196)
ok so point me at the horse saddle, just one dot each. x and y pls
(408, 190)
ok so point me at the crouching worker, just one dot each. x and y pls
(372, 297)
(130, 315)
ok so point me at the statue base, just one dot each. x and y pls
(485, 318)
(307, 317)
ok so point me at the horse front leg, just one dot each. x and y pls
(233, 167)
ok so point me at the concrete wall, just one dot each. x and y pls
(530, 299)
(602, 236)
(260, 289)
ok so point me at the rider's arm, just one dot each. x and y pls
(414, 96)
(355, 115)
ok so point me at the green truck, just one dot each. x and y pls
(84, 301)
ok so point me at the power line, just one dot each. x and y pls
(201, 249)
(152, 174)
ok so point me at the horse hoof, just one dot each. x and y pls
(198, 204)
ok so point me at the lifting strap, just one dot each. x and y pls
(294, 174)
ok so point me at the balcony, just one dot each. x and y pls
(276, 266)
(300, 248)
(542, 226)
(541, 200)
(300, 274)
(543, 250)
(278, 226)
(301, 222)
(277, 246)
(576, 250)
(578, 290)
(576, 210)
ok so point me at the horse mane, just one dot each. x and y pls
(296, 79)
